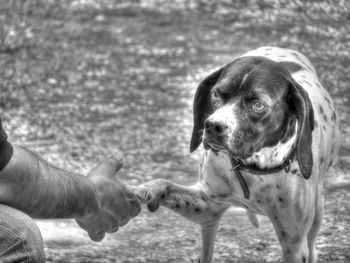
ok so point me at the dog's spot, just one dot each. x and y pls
(303, 259)
(222, 195)
(307, 83)
(162, 196)
(198, 210)
(295, 240)
(294, 171)
(334, 117)
(177, 205)
(265, 188)
(325, 117)
(330, 164)
(308, 68)
(288, 251)
(187, 203)
(322, 160)
(280, 199)
(275, 217)
(213, 196)
(296, 55)
(321, 109)
(284, 234)
(278, 186)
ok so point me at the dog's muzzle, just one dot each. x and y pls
(215, 134)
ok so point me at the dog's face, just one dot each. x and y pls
(250, 104)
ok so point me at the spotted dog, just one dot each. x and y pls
(270, 133)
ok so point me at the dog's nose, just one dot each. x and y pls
(215, 127)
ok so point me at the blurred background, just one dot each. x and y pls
(86, 79)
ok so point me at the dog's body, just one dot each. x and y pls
(267, 113)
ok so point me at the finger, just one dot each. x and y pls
(115, 229)
(115, 223)
(96, 236)
(107, 168)
(135, 207)
(124, 221)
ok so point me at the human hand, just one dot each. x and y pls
(116, 202)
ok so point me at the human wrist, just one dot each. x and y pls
(6, 151)
(92, 205)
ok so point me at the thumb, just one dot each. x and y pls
(97, 237)
(107, 168)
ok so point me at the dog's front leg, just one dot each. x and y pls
(208, 241)
(191, 202)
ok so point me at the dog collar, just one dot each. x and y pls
(237, 167)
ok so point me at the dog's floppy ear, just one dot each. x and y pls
(305, 116)
(202, 108)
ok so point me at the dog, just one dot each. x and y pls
(270, 133)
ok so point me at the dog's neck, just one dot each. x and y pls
(271, 157)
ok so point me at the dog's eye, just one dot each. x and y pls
(216, 99)
(258, 106)
(216, 95)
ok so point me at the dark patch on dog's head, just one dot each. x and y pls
(248, 77)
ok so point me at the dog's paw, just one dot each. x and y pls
(142, 193)
(151, 193)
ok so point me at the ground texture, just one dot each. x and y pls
(82, 80)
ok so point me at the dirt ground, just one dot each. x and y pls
(82, 80)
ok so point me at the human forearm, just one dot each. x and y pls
(41, 190)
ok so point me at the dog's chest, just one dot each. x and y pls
(267, 191)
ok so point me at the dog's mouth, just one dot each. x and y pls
(217, 147)
(213, 145)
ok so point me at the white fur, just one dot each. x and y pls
(270, 157)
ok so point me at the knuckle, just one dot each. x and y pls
(134, 212)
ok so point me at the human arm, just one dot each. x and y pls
(99, 202)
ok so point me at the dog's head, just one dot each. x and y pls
(249, 104)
